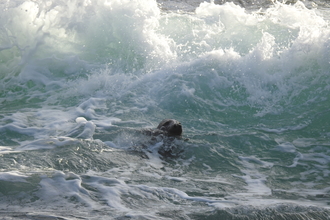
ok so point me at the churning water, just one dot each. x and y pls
(250, 85)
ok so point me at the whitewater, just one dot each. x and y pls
(248, 80)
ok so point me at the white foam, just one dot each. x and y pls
(61, 186)
(106, 122)
(13, 176)
(88, 132)
(87, 108)
(40, 123)
(250, 160)
(284, 129)
(304, 142)
(111, 144)
(285, 147)
(4, 149)
(319, 158)
(110, 190)
(214, 180)
(153, 155)
(264, 61)
(49, 143)
(176, 179)
(172, 193)
(256, 181)
(22, 130)
(81, 120)
(89, 65)
(149, 174)
(296, 159)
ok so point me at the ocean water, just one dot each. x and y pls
(248, 80)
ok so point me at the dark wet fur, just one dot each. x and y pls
(168, 131)
(167, 127)
(171, 127)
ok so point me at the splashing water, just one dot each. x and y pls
(250, 86)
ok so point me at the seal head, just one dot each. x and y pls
(171, 127)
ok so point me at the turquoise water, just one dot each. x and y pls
(251, 87)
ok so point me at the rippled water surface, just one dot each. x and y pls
(249, 82)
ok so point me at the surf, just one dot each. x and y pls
(250, 86)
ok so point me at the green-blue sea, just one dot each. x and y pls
(248, 80)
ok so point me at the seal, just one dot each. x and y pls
(166, 138)
(170, 127)
(167, 127)
(167, 132)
